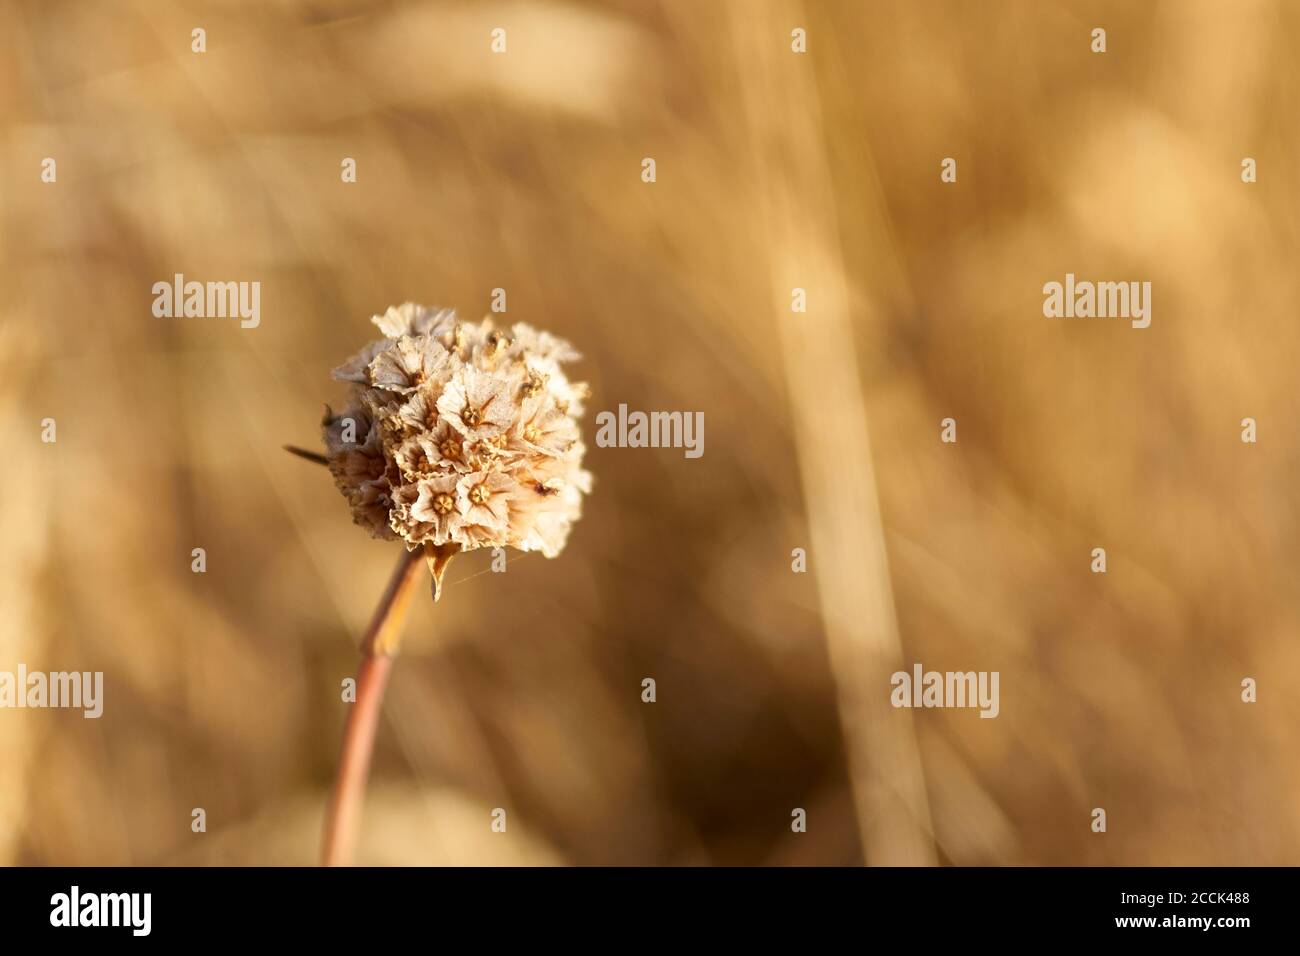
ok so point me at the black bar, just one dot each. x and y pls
(861, 907)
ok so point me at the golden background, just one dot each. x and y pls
(774, 170)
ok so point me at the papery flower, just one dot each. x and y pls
(404, 522)
(435, 507)
(418, 457)
(408, 363)
(460, 434)
(412, 319)
(357, 368)
(484, 497)
(480, 404)
(541, 427)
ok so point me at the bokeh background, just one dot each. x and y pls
(774, 170)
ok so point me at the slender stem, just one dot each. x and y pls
(315, 456)
(378, 648)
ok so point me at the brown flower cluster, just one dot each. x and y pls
(460, 434)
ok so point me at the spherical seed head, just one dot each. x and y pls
(460, 434)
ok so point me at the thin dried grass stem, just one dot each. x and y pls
(792, 174)
(378, 648)
(313, 456)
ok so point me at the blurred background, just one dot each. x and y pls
(774, 170)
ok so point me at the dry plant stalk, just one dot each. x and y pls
(457, 437)
(783, 121)
(343, 817)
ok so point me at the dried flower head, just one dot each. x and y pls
(460, 434)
